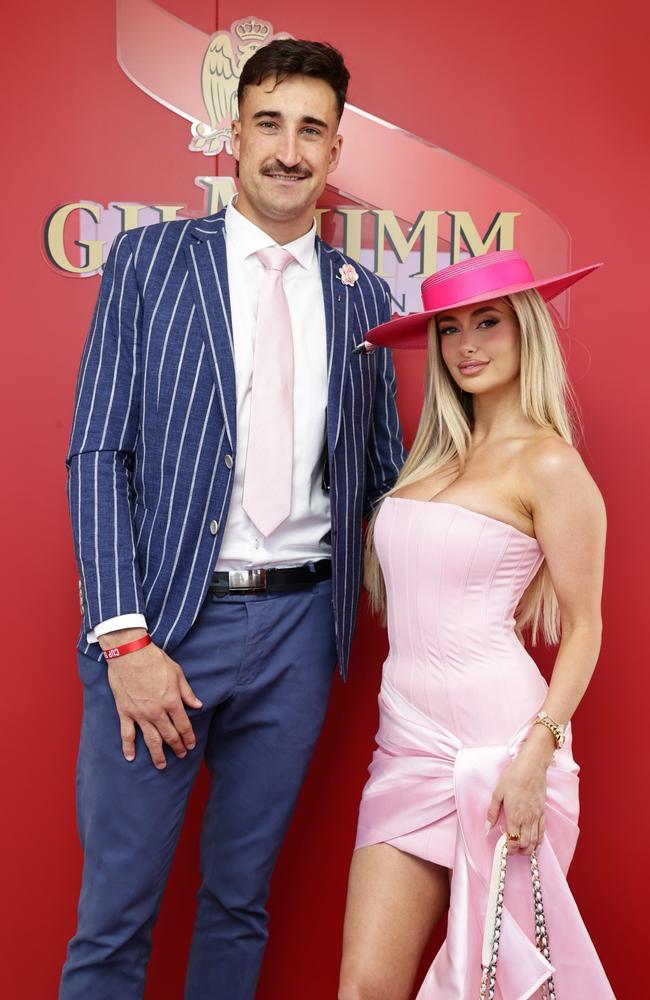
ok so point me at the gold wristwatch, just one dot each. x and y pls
(557, 729)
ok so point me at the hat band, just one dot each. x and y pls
(474, 282)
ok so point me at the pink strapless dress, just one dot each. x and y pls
(458, 696)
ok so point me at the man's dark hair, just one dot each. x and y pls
(294, 57)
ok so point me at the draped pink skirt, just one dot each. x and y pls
(428, 795)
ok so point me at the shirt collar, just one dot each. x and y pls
(246, 238)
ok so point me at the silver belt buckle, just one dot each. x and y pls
(247, 579)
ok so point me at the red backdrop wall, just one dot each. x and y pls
(548, 97)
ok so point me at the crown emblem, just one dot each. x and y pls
(225, 57)
(249, 30)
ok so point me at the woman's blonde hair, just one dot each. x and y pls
(444, 436)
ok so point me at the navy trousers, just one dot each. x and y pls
(262, 665)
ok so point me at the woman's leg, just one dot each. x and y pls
(394, 901)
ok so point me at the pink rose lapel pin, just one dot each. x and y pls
(348, 275)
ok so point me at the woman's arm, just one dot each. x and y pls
(569, 518)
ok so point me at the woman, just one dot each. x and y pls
(494, 526)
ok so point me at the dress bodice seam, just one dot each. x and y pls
(468, 510)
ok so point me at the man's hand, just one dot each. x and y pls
(149, 689)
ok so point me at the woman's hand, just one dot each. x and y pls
(521, 792)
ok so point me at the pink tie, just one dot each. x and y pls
(269, 458)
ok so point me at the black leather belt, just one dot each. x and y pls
(251, 581)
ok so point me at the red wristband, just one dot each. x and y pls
(127, 647)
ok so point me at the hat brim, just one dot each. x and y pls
(411, 332)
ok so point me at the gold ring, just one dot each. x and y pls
(513, 836)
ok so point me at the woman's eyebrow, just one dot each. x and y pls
(477, 312)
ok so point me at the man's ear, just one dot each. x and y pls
(236, 137)
(335, 154)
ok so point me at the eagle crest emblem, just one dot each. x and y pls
(225, 57)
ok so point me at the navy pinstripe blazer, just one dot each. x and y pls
(154, 429)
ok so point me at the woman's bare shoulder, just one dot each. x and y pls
(547, 454)
(553, 467)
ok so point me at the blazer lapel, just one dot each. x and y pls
(339, 312)
(205, 254)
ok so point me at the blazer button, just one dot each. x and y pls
(214, 527)
(228, 461)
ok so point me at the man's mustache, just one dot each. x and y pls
(280, 168)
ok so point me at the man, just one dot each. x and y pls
(218, 397)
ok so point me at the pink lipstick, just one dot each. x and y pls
(472, 367)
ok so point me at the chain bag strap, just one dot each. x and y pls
(492, 933)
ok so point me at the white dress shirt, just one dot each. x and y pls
(304, 536)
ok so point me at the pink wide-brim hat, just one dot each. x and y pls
(478, 279)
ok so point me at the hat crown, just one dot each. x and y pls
(473, 264)
(490, 272)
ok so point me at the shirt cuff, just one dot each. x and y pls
(113, 624)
